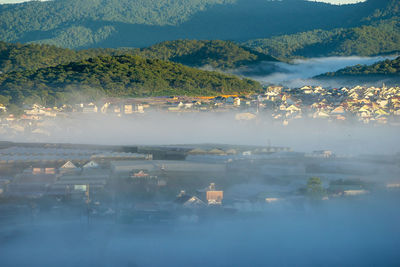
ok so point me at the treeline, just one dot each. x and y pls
(215, 54)
(117, 76)
(386, 67)
(382, 37)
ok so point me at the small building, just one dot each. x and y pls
(143, 177)
(37, 171)
(322, 154)
(236, 102)
(214, 197)
(128, 109)
(89, 108)
(68, 167)
(188, 201)
(355, 192)
(91, 164)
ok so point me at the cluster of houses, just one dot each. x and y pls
(79, 180)
(211, 197)
(43, 180)
(36, 171)
(363, 104)
(380, 105)
(139, 186)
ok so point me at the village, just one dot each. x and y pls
(133, 184)
(141, 183)
(364, 105)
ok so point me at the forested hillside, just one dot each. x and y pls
(386, 67)
(19, 57)
(139, 23)
(378, 34)
(216, 54)
(116, 76)
(375, 39)
(77, 23)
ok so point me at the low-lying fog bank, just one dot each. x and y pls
(270, 215)
(157, 128)
(300, 72)
(355, 233)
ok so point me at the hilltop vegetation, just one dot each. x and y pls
(19, 57)
(116, 76)
(369, 40)
(216, 54)
(138, 23)
(386, 67)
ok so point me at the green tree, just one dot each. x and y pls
(315, 190)
(4, 100)
(15, 110)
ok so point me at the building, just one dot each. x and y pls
(143, 177)
(167, 166)
(214, 197)
(91, 164)
(188, 201)
(68, 167)
(32, 183)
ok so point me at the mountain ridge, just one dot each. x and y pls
(136, 23)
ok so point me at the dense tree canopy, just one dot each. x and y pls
(315, 189)
(386, 67)
(216, 54)
(139, 23)
(19, 57)
(117, 76)
(378, 38)
(17, 20)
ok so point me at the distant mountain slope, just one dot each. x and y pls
(374, 39)
(386, 67)
(83, 23)
(116, 76)
(388, 9)
(216, 54)
(139, 23)
(387, 71)
(380, 34)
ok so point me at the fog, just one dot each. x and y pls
(301, 71)
(297, 231)
(364, 233)
(157, 128)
